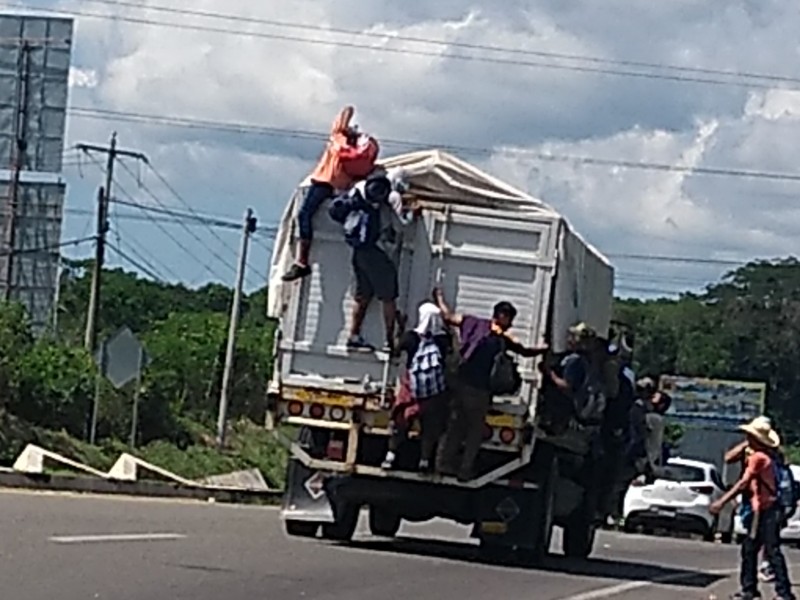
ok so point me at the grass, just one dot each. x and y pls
(249, 447)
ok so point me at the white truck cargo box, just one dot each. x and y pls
(480, 240)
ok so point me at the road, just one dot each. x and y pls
(79, 548)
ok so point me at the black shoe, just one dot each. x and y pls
(297, 272)
(359, 344)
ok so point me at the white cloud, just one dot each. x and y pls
(433, 97)
(82, 78)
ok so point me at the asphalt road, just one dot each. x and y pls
(80, 548)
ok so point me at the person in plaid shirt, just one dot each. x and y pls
(423, 390)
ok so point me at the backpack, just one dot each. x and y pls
(349, 212)
(504, 378)
(426, 374)
(788, 487)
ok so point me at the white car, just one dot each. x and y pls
(678, 500)
(790, 533)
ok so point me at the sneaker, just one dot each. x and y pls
(297, 272)
(425, 466)
(356, 342)
(388, 462)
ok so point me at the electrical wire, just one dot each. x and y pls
(387, 36)
(399, 51)
(576, 160)
(158, 201)
(135, 263)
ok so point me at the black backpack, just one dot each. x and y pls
(504, 379)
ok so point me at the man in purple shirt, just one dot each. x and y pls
(481, 341)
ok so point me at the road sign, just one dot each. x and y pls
(124, 357)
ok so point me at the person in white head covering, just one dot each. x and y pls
(423, 389)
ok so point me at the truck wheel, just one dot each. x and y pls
(383, 523)
(343, 528)
(544, 499)
(304, 529)
(579, 534)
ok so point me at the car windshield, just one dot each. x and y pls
(682, 473)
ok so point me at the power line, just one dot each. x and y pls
(383, 37)
(678, 259)
(135, 263)
(188, 206)
(577, 160)
(400, 51)
(48, 248)
(147, 257)
(180, 245)
(158, 201)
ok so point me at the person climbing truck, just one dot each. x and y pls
(348, 157)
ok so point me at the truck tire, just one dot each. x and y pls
(579, 535)
(383, 522)
(343, 528)
(304, 529)
(547, 469)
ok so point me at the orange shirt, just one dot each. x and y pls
(330, 169)
(760, 479)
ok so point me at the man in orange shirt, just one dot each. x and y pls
(347, 158)
(764, 522)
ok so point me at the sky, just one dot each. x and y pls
(477, 75)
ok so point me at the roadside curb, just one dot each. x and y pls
(155, 489)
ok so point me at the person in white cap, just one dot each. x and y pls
(763, 523)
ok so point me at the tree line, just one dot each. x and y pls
(49, 382)
(744, 327)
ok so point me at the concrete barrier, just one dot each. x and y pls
(33, 459)
(124, 478)
(155, 489)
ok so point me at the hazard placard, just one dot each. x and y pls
(315, 485)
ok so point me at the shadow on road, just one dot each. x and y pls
(600, 567)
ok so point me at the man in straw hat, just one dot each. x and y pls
(758, 484)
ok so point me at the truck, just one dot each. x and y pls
(480, 241)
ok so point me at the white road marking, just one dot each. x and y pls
(622, 588)
(115, 537)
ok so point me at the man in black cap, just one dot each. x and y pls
(375, 273)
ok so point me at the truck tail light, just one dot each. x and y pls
(488, 432)
(507, 435)
(295, 408)
(317, 411)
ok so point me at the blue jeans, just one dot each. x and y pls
(766, 535)
(316, 194)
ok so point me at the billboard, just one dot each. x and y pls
(35, 54)
(702, 401)
(39, 215)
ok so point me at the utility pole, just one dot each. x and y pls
(18, 163)
(103, 198)
(247, 230)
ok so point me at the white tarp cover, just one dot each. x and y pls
(584, 284)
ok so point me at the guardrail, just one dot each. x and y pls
(30, 472)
